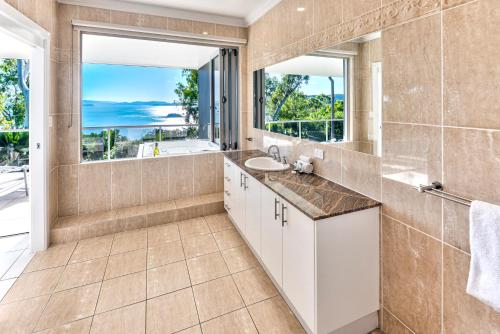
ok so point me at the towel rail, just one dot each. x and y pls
(436, 189)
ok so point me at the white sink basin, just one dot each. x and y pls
(265, 164)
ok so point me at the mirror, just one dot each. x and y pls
(333, 95)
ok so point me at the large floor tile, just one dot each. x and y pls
(165, 253)
(239, 259)
(34, 284)
(254, 285)
(5, 285)
(122, 291)
(207, 267)
(82, 273)
(237, 322)
(19, 266)
(192, 330)
(274, 316)
(21, 317)
(166, 279)
(171, 313)
(94, 248)
(216, 298)
(228, 239)
(160, 234)
(76, 327)
(126, 263)
(218, 222)
(54, 256)
(196, 226)
(69, 305)
(199, 245)
(130, 319)
(129, 241)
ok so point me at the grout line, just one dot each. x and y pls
(442, 164)
(411, 227)
(402, 323)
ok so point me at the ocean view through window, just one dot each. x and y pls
(131, 109)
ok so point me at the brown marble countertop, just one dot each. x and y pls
(316, 197)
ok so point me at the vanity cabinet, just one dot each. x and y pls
(327, 270)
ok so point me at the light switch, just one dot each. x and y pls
(319, 153)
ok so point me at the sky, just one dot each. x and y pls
(121, 83)
(320, 85)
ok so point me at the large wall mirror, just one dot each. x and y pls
(332, 95)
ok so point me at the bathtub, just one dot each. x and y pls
(175, 147)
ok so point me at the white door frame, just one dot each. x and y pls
(17, 25)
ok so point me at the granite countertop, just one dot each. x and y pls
(316, 197)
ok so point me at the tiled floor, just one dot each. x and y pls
(195, 276)
(14, 204)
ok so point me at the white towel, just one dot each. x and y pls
(484, 272)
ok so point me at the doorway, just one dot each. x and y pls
(24, 91)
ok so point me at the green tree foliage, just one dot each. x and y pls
(13, 99)
(188, 98)
(284, 101)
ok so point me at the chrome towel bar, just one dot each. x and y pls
(436, 189)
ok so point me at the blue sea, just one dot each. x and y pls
(102, 114)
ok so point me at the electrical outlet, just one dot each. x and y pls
(319, 153)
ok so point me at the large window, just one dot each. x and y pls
(304, 97)
(144, 98)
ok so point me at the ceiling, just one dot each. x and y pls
(99, 49)
(234, 12)
(310, 65)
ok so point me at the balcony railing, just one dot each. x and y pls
(124, 141)
(317, 130)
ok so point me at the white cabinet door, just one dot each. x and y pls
(253, 214)
(228, 174)
(238, 198)
(271, 243)
(298, 261)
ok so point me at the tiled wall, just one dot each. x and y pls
(102, 186)
(88, 188)
(441, 122)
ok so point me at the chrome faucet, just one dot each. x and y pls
(276, 155)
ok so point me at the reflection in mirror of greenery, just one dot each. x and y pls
(284, 100)
(94, 145)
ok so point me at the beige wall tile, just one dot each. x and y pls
(462, 312)
(471, 78)
(125, 18)
(471, 163)
(421, 211)
(180, 180)
(65, 13)
(67, 190)
(411, 276)
(205, 173)
(412, 72)
(68, 139)
(95, 187)
(126, 184)
(411, 153)
(355, 8)
(393, 325)
(456, 225)
(226, 31)
(152, 21)
(361, 172)
(94, 14)
(180, 25)
(204, 28)
(155, 180)
(327, 13)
